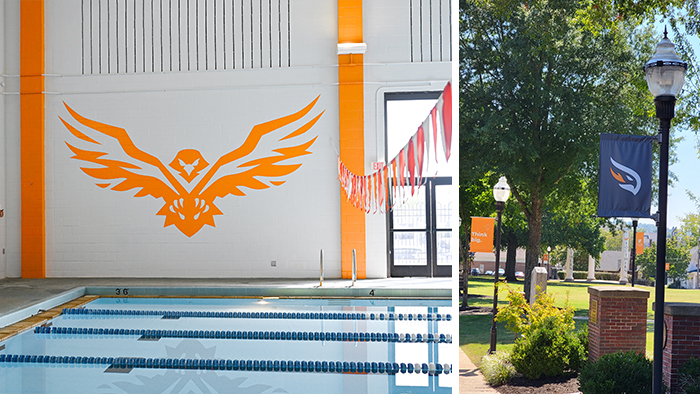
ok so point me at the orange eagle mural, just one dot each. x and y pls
(255, 167)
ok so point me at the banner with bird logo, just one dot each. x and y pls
(624, 186)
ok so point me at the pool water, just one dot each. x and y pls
(232, 345)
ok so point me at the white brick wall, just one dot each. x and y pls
(98, 232)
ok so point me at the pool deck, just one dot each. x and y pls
(17, 294)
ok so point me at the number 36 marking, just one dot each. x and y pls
(122, 291)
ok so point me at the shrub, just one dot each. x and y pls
(580, 274)
(689, 376)
(582, 335)
(616, 373)
(577, 274)
(547, 351)
(548, 345)
(497, 368)
(607, 276)
(675, 285)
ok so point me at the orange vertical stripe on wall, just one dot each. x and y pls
(32, 138)
(352, 138)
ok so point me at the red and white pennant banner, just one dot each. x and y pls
(374, 193)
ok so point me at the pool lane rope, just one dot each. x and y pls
(235, 365)
(262, 315)
(255, 335)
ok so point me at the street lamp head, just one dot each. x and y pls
(501, 191)
(665, 71)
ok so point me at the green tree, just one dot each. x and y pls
(677, 257)
(690, 223)
(681, 17)
(537, 86)
(613, 240)
(572, 222)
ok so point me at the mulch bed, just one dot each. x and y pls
(558, 385)
(475, 310)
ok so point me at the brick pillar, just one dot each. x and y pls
(617, 320)
(682, 322)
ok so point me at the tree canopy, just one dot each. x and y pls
(677, 257)
(538, 84)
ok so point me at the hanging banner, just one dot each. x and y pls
(482, 235)
(379, 191)
(639, 246)
(624, 183)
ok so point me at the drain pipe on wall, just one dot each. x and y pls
(321, 269)
(354, 267)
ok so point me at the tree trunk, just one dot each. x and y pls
(533, 242)
(511, 257)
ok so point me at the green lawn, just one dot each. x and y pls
(475, 330)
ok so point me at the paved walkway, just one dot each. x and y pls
(470, 378)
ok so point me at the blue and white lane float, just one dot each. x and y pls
(233, 365)
(261, 315)
(254, 335)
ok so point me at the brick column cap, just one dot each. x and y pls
(617, 292)
(679, 308)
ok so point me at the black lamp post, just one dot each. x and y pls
(501, 192)
(634, 249)
(665, 73)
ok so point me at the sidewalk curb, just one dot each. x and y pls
(470, 378)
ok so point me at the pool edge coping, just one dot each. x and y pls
(26, 318)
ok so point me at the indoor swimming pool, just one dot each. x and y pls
(236, 345)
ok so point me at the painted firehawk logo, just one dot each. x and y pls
(629, 176)
(181, 381)
(190, 207)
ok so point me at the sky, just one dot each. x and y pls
(686, 168)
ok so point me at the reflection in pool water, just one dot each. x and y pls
(405, 355)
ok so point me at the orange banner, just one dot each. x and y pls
(482, 235)
(640, 243)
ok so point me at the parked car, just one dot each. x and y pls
(489, 273)
(501, 272)
(475, 271)
(519, 274)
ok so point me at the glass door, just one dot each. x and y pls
(444, 200)
(420, 230)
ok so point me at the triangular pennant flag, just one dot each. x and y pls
(375, 191)
(380, 190)
(434, 114)
(411, 162)
(447, 120)
(368, 203)
(394, 180)
(419, 139)
(387, 197)
(402, 167)
(427, 132)
(439, 106)
(370, 187)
